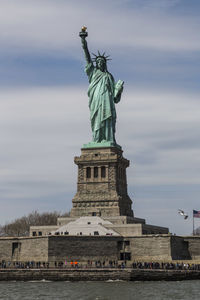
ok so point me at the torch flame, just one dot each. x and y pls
(83, 29)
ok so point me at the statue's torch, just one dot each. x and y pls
(83, 32)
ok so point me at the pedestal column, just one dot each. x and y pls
(102, 185)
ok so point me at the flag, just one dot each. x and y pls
(196, 213)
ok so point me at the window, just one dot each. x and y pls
(127, 243)
(120, 245)
(96, 233)
(125, 256)
(40, 233)
(15, 248)
(94, 214)
(103, 172)
(95, 172)
(88, 172)
(34, 233)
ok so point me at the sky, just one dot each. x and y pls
(44, 114)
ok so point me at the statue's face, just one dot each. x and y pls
(101, 64)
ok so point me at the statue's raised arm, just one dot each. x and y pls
(83, 34)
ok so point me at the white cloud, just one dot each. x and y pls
(51, 26)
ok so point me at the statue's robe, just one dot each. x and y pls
(101, 103)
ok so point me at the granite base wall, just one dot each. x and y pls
(99, 248)
(193, 246)
(83, 248)
(98, 275)
(24, 249)
(180, 248)
(150, 248)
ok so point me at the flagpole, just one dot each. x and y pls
(193, 222)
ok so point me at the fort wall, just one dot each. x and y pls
(99, 248)
(193, 246)
(97, 274)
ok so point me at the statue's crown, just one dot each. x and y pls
(96, 57)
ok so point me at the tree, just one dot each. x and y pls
(20, 226)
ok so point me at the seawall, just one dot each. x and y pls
(97, 274)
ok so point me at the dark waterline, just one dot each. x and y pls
(116, 290)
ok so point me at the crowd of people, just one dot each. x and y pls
(58, 264)
(166, 265)
(99, 264)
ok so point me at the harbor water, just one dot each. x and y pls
(117, 290)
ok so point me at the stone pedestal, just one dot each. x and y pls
(102, 184)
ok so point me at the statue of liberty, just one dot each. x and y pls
(103, 93)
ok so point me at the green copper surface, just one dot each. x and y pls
(103, 93)
(101, 145)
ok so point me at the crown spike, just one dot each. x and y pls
(105, 57)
